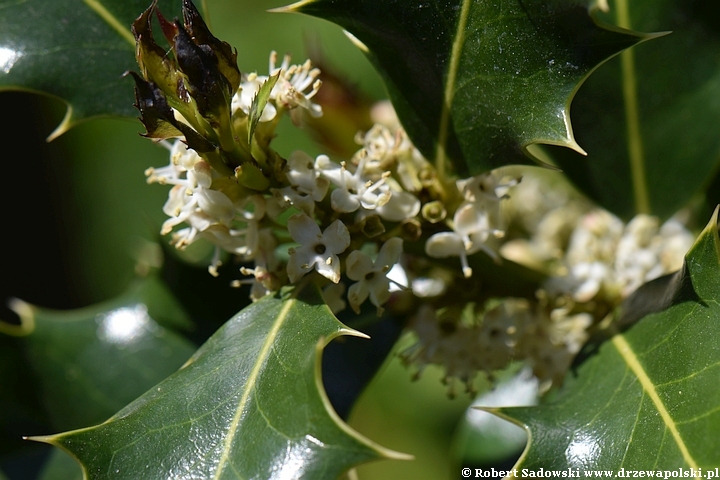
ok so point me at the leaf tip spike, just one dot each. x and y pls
(354, 333)
(357, 42)
(25, 313)
(49, 439)
(573, 145)
(65, 125)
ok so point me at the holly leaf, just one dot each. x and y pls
(650, 399)
(474, 82)
(76, 51)
(89, 363)
(645, 118)
(257, 378)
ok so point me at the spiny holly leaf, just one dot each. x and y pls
(650, 399)
(76, 51)
(89, 363)
(248, 404)
(647, 117)
(477, 82)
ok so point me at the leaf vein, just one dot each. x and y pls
(450, 88)
(625, 350)
(110, 19)
(250, 384)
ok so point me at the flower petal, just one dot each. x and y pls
(329, 268)
(389, 253)
(336, 237)
(444, 244)
(357, 294)
(304, 230)
(298, 266)
(357, 265)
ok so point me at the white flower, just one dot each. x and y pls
(371, 277)
(472, 230)
(290, 91)
(354, 190)
(332, 295)
(186, 168)
(486, 191)
(266, 266)
(401, 206)
(306, 185)
(448, 244)
(317, 250)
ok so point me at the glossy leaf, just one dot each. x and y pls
(650, 398)
(248, 404)
(76, 51)
(477, 82)
(485, 439)
(646, 118)
(89, 363)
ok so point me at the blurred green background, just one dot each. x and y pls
(80, 211)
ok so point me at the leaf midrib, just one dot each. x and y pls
(458, 42)
(250, 384)
(636, 153)
(628, 355)
(111, 20)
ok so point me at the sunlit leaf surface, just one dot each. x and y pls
(477, 82)
(249, 404)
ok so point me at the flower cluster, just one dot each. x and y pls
(593, 262)
(383, 220)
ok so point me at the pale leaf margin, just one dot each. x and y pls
(342, 330)
(530, 149)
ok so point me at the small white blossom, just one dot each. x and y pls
(610, 259)
(401, 206)
(354, 189)
(448, 244)
(317, 250)
(306, 185)
(371, 277)
(472, 230)
(486, 191)
(296, 85)
(332, 294)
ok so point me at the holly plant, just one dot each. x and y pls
(527, 208)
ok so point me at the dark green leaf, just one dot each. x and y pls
(257, 378)
(650, 399)
(76, 51)
(91, 362)
(646, 118)
(477, 82)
